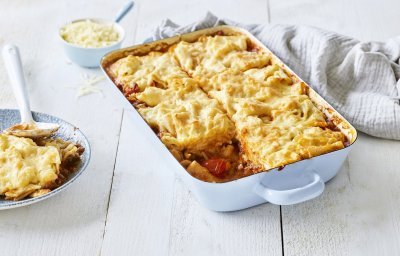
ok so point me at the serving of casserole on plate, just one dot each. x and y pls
(228, 110)
(35, 169)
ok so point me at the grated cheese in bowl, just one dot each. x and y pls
(86, 41)
(89, 34)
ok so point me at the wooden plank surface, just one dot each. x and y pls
(358, 212)
(198, 231)
(72, 222)
(362, 19)
(138, 219)
(185, 12)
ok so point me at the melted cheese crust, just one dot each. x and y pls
(25, 165)
(185, 117)
(153, 69)
(212, 55)
(205, 94)
(27, 169)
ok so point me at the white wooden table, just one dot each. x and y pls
(128, 204)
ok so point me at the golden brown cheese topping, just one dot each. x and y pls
(32, 169)
(185, 117)
(225, 109)
(154, 68)
(212, 55)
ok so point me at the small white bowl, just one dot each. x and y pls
(90, 57)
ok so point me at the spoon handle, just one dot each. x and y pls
(14, 68)
(127, 7)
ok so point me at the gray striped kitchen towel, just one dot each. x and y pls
(359, 79)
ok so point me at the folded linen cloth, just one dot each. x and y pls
(359, 79)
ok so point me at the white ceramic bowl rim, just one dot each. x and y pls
(118, 27)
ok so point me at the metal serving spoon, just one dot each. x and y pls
(28, 127)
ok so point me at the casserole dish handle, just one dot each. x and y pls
(292, 196)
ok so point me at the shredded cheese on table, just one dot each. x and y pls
(89, 85)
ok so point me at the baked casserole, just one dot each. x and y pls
(224, 107)
(31, 168)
